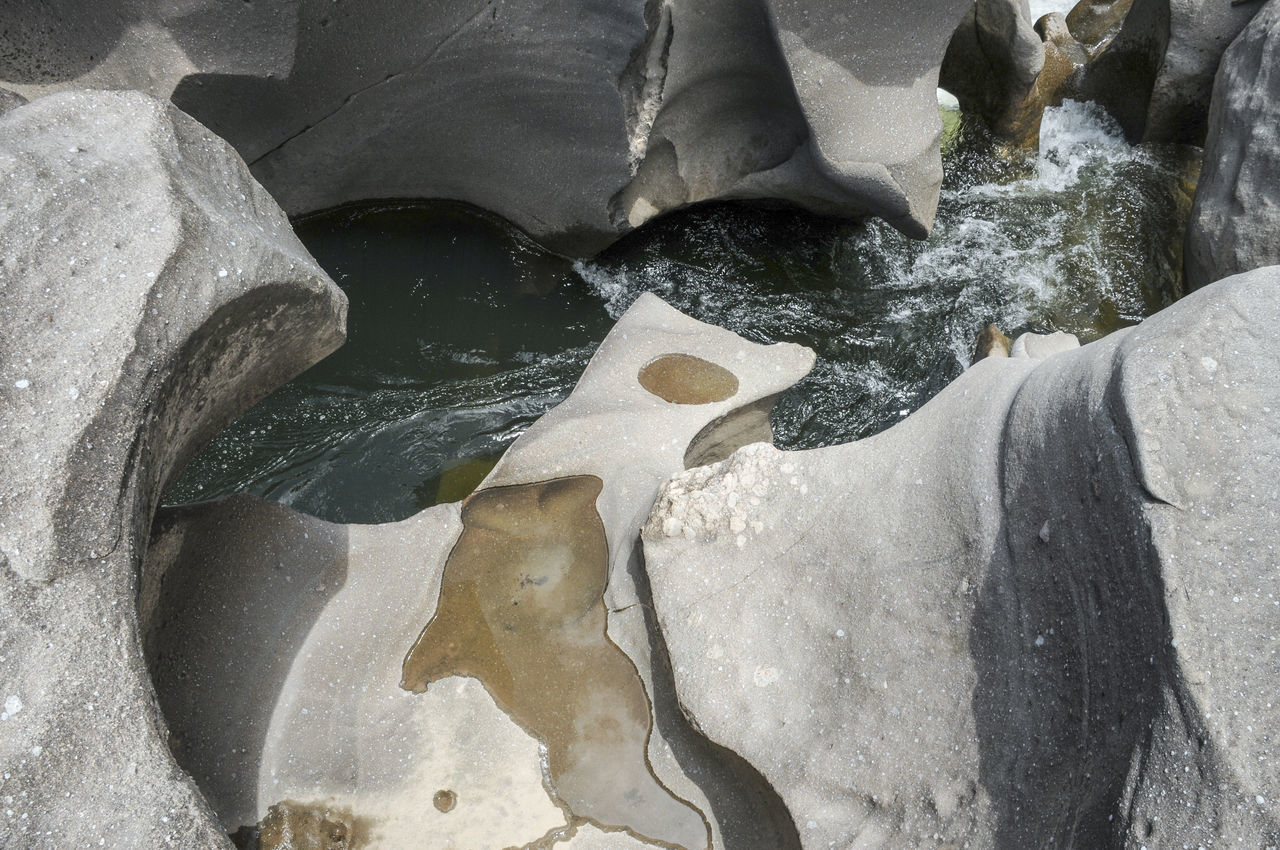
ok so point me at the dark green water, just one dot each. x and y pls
(462, 332)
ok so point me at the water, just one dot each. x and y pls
(462, 332)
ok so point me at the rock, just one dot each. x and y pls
(152, 291)
(1064, 56)
(991, 342)
(1042, 346)
(1156, 76)
(575, 120)
(843, 116)
(10, 100)
(495, 655)
(1037, 612)
(1235, 220)
(992, 64)
(1093, 23)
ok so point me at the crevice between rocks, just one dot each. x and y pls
(750, 813)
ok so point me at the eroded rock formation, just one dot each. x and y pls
(340, 681)
(1093, 23)
(576, 121)
(991, 66)
(1156, 75)
(151, 291)
(1041, 611)
(1235, 221)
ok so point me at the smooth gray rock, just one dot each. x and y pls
(991, 65)
(1156, 75)
(1039, 612)
(150, 291)
(575, 120)
(1235, 220)
(300, 694)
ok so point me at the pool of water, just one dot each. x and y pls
(462, 331)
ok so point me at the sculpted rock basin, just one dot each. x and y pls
(481, 673)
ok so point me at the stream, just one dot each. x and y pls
(462, 331)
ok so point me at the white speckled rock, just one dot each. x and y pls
(1041, 611)
(150, 291)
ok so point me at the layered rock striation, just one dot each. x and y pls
(1041, 611)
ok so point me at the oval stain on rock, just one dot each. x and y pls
(685, 379)
(521, 609)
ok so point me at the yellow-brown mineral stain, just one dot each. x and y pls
(521, 609)
(685, 379)
(445, 800)
(290, 825)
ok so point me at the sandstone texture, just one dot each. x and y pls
(296, 667)
(1235, 221)
(576, 120)
(1041, 611)
(991, 66)
(150, 291)
(1156, 75)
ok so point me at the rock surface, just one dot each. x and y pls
(1041, 611)
(576, 120)
(10, 100)
(1156, 75)
(150, 291)
(991, 66)
(1094, 23)
(326, 690)
(1235, 221)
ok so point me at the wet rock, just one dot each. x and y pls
(1235, 220)
(1156, 76)
(1038, 612)
(1093, 23)
(496, 652)
(991, 65)
(991, 342)
(575, 120)
(1064, 56)
(152, 291)
(291, 826)
(842, 118)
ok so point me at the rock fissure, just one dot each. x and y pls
(486, 6)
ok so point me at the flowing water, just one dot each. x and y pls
(462, 332)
